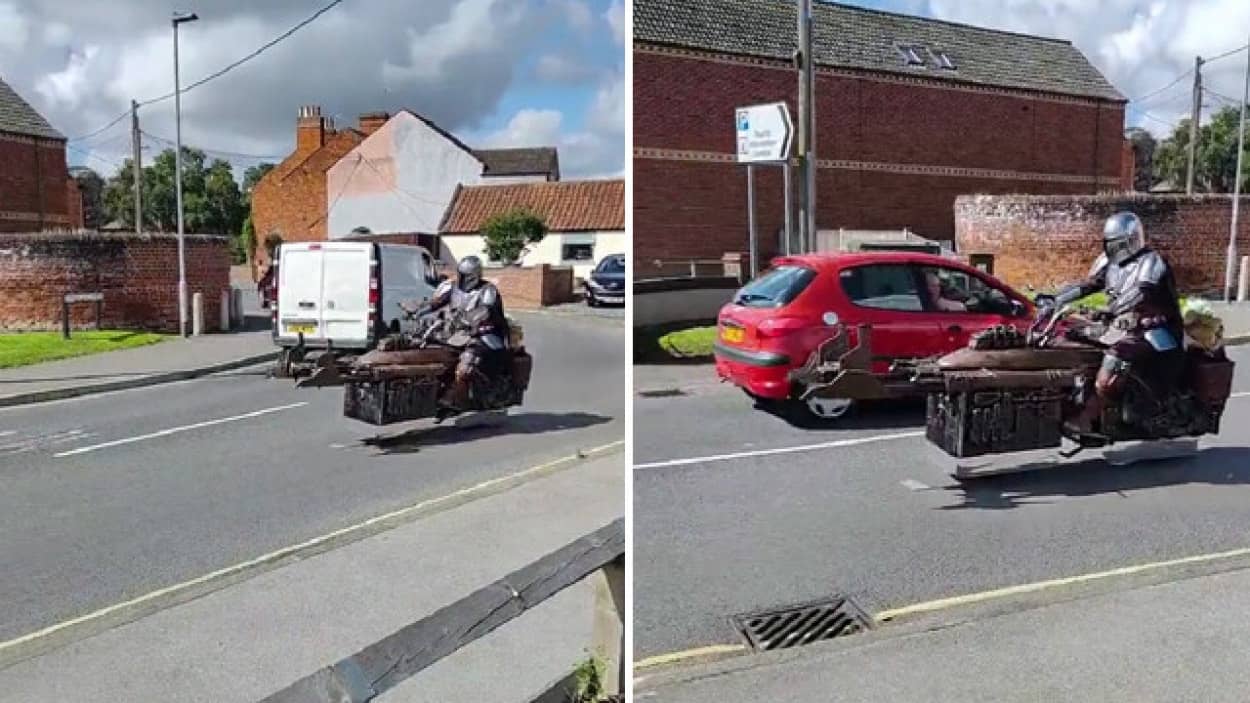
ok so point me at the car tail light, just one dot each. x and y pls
(375, 297)
(781, 326)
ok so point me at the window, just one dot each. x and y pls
(944, 61)
(882, 286)
(611, 264)
(984, 262)
(951, 290)
(577, 252)
(912, 54)
(776, 288)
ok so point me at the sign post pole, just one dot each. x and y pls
(765, 134)
(755, 246)
(789, 205)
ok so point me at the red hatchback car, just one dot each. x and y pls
(919, 305)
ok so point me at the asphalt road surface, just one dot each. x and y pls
(113, 496)
(734, 511)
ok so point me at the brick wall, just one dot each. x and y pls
(894, 154)
(1047, 241)
(290, 200)
(529, 287)
(32, 182)
(137, 274)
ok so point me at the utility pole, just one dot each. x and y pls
(807, 130)
(182, 252)
(138, 165)
(1193, 125)
(1230, 269)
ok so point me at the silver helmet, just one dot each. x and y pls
(469, 273)
(1122, 237)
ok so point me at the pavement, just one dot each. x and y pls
(112, 497)
(1183, 640)
(738, 511)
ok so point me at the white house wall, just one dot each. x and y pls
(404, 182)
(549, 250)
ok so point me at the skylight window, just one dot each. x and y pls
(945, 61)
(912, 54)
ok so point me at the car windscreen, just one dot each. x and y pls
(776, 288)
(614, 264)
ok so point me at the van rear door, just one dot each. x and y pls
(345, 314)
(299, 292)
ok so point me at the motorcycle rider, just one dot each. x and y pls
(469, 293)
(1144, 306)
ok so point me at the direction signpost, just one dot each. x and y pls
(765, 135)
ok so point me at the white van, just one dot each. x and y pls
(345, 296)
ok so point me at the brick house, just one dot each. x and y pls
(585, 219)
(392, 174)
(36, 191)
(911, 113)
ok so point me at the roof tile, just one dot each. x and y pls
(859, 38)
(567, 206)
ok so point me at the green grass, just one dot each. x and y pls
(689, 343)
(25, 348)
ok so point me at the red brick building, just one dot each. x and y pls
(36, 192)
(911, 113)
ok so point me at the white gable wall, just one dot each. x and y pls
(399, 179)
(549, 251)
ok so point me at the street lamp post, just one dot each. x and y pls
(179, 18)
(1230, 268)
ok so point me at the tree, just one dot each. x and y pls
(91, 185)
(508, 235)
(212, 202)
(252, 176)
(1215, 163)
(1144, 145)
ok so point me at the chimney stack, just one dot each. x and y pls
(371, 121)
(310, 129)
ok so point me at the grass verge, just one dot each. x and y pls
(25, 348)
(679, 343)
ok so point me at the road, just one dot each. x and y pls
(733, 512)
(109, 497)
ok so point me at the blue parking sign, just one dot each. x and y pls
(744, 125)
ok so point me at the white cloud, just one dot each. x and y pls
(475, 26)
(615, 16)
(14, 28)
(57, 34)
(576, 12)
(607, 112)
(1139, 45)
(67, 86)
(559, 68)
(529, 127)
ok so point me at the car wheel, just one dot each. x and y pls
(590, 300)
(818, 412)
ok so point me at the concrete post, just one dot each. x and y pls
(608, 643)
(236, 307)
(224, 310)
(197, 314)
(1243, 281)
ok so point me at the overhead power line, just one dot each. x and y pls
(213, 152)
(1228, 53)
(1188, 73)
(223, 71)
(97, 157)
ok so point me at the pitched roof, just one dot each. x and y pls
(18, 117)
(567, 206)
(870, 40)
(519, 162)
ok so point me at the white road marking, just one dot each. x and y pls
(836, 444)
(912, 484)
(1242, 394)
(176, 430)
(6, 433)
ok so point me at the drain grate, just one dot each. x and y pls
(795, 626)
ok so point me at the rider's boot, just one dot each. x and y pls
(455, 400)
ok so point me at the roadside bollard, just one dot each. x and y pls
(608, 629)
(1243, 281)
(197, 314)
(224, 310)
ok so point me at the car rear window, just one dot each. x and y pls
(882, 286)
(776, 288)
(615, 264)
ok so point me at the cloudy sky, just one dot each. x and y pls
(1139, 45)
(494, 72)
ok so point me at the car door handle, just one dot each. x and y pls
(306, 304)
(955, 329)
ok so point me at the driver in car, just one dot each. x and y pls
(1143, 306)
(469, 293)
(938, 295)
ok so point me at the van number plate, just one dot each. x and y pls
(301, 329)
